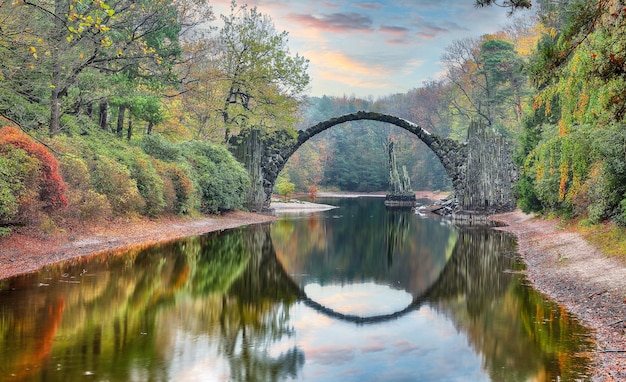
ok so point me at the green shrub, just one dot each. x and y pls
(284, 186)
(169, 192)
(19, 184)
(113, 179)
(94, 206)
(526, 196)
(186, 198)
(160, 148)
(51, 185)
(75, 172)
(221, 179)
(149, 184)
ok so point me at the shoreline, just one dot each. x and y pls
(559, 263)
(590, 285)
(26, 252)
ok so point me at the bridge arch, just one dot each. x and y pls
(451, 154)
(481, 169)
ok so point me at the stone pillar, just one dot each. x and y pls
(400, 193)
(249, 150)
(490, 172)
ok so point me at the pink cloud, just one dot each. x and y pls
(430, 32)
(328, 4)
(398, 35)
(334, 22)
(368, 6)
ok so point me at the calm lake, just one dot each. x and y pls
(357, 293)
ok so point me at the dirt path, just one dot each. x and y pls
(561, 264)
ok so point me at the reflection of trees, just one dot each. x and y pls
(119, 319)
(360, 244)
(520, 335)
(397, 229)
(103, 316)
(123, 320)
(255, 314)
(475, 269)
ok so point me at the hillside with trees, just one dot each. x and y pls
(125, 108)
(121, 109)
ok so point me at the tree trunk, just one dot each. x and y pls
(149, 128)
(129, 133)
(55, 112)
(120, 120)
(103, 117)
(55, 96)
(89, 109)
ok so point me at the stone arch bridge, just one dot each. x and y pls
(481, 169)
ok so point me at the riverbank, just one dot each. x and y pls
(24, 252)
(562, 265)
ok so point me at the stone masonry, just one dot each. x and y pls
(488, 163)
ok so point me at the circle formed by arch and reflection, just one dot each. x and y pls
(361, 263)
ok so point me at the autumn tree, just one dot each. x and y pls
(63, 38)
(201, 94)
(486, 75)
(576, 167)
(68, 54)
(262, 81)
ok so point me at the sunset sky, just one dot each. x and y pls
(374, 47)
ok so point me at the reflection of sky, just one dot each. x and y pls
(196, 358)
(421, 346)
(363, 299)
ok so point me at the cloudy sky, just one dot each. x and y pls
(374, 47)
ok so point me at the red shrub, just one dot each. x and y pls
(52, 188)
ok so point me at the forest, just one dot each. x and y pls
(123, 108)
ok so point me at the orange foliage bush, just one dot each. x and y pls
(52, 188)
(183, 188)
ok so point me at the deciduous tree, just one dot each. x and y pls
(261, 79)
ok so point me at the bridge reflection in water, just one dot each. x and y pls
(231, 307)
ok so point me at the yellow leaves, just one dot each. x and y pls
(563, 129)
(106, 42)
(539, 172)
(552, 32)
(581, 105)
(33, 50)
(564, 171)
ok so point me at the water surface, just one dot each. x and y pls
(357, 293)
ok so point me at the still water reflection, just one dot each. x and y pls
(353, 294)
